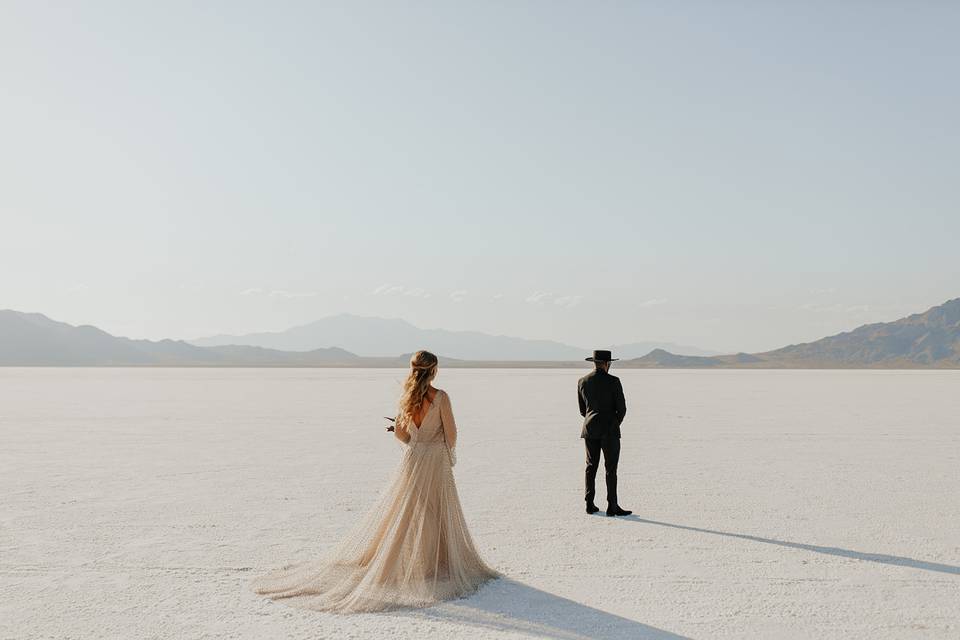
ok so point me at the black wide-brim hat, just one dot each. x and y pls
(600, 355)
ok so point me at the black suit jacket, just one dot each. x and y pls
(602, 405)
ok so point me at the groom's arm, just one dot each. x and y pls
(621, 403)
(583, 403)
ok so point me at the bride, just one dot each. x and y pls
(413, 549)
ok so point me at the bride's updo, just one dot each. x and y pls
(423, 369)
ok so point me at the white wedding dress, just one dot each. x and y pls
(412, 550)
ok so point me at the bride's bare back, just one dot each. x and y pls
(425, 406)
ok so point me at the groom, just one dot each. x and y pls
(602, 406)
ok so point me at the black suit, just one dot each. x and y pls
(603, 407)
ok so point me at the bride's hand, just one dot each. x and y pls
(400, 431)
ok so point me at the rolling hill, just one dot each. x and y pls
(923, 340)
(33, 339)
(384, 337)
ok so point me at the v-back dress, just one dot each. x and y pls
(413, 549)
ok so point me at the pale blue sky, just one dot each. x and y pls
(732, 175)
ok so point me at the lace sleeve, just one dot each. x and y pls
(448, 421)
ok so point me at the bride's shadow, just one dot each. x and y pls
(508, 605)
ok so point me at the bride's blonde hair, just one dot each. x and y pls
(423, 369)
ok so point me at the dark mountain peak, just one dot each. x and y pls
(945, 315)
(31, 317)
(636, 349)
(924, 340)
(663, 358)
(931, 338)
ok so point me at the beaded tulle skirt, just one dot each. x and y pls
(413, 549)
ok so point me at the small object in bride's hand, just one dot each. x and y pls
(392, 426)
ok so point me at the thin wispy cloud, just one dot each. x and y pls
(78, 288)
(496, 296)
(458, 295)
(653, 302)
(416, 293)
(538, 297)
(399, 289)
(835, 308)
(568, 301)
(279, 293)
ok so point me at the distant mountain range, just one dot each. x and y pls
(379, 337)
(926, 340)
(33, 339)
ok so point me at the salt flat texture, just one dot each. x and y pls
(139, 503)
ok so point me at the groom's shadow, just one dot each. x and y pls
(508, 605)
(882, 558)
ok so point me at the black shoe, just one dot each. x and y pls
(617, 511)
(592, 508)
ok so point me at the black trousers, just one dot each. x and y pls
(611, 456)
